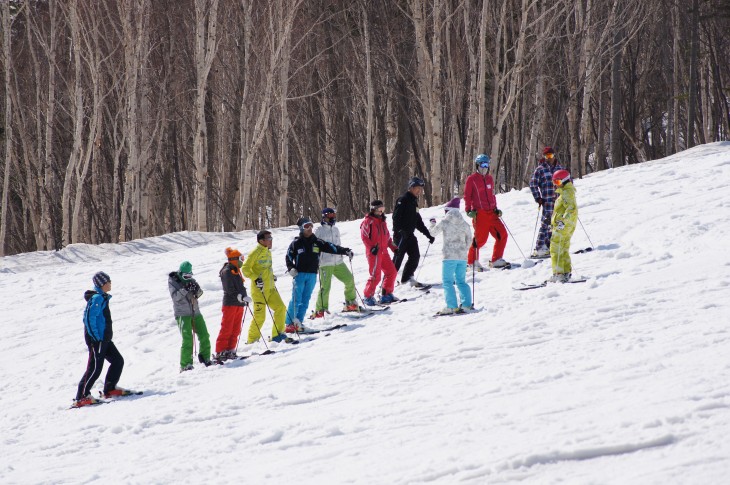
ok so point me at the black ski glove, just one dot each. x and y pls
(498, 212)
(431, 239)
(374, 250)
(259, 283)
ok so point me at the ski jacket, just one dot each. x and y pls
(232, 282)
(566, 208)
(330, 234)
(258, 264)
(303, 253)
(97, 317)
(406, 218)
(541, 183)
(184, 300)
(374, 231)
(457, 235)
(479, 192)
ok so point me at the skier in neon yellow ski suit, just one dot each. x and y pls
(564, 220)
(257, 268)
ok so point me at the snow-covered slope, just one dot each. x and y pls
(623, 379)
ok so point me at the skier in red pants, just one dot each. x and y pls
(235, 301)
(481, 206)
(376, 237)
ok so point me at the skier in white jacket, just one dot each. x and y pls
(332, 265)
(457, 240)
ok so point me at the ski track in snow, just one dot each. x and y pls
(622, 379)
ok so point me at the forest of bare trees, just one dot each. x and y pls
(124, 119)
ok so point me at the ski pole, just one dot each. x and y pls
(423, 261)
(253, 319)
(473, 288)
(537, 221)
(513, 238)
(296, 330)
(358, 291)
(320, 299)
(586, 232)
(243, 319)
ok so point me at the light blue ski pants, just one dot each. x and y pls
(453, 273)
(301, 293)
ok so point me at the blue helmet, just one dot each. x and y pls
(416, 182)
(482, 160)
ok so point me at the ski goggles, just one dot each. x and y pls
(484, 165)
(268, 238)
(549, 156)
(236, 258)
(330, 215)
(308, 225)
(187, 276)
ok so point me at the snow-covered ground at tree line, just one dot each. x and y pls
(622, 379)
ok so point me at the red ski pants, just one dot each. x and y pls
(380, 263)
(486, 223)
(230, 328)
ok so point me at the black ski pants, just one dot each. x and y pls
(98, 353)
(407, 246)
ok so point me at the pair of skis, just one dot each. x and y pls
(532, 286)
(108, 399)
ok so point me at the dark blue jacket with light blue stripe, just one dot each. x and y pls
(303, 253)
(97, 317)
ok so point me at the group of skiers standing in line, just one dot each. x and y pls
(320, 252)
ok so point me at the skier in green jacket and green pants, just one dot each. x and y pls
(185, 292)
(332, 265)
(564, 220)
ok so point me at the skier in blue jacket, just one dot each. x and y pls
(302, 264)
(98, 335)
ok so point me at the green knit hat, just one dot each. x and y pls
(186, 267)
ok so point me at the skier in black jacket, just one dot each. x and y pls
(302, 263)
(406, 220)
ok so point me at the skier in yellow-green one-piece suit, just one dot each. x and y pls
(564, 220)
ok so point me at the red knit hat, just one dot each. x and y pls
(547, 150)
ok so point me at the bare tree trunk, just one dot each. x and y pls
(693, 68)
(506, 83)
(74, 159)
(49, 175)
(133, 16)
(430, 89)
(8, 134)
(370, 182)
(283, 154)
(589, 60)
(536, 122)
(676, 80)
(93, 60)
(206, 43)
(615, 131)
(482, 82)
(601, 135)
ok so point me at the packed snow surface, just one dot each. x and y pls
(622, 379)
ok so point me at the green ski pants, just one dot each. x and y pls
(340, 272)
(187, 326)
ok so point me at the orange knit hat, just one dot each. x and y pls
(233, 254)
